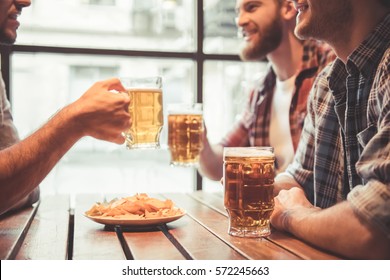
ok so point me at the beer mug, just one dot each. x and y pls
(146, 111)
(248, 177)
(185, 130)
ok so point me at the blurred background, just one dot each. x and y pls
(64, 46)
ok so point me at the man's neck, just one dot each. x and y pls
(287, 58)
(364, 22)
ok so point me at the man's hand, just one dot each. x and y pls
(102, 112)
(288, 202)
(210, 158)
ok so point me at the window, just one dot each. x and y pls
(158, 25)
(220, 28)
(59, 55)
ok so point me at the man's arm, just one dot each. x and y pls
(8, 137)
(284, 181)
(211, 159)
(25, 164)
(98, 113)
(337, 229)
(27, 201)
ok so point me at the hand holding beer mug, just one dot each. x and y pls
(185, 129)
(248, 177)
(146, 111)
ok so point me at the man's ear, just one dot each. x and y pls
(288, 11)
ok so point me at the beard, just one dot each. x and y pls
(323, 25)
(6, 40)
(267, 41)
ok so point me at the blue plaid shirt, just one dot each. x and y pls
(344, 150)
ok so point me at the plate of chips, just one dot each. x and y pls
(137, 210)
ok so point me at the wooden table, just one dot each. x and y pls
(54, 230)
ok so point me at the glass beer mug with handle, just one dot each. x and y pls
(146, 110)
(248, 175)
(185, 132)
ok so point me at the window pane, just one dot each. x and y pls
(226, 88)
(220, 28)
(51, 81)
(122, 24)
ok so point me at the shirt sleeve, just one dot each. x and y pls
(238, 136)
(8, 132)
(302, 167)
(371, 201)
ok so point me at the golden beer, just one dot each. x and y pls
(248, 175)
(185, 131)
(146, 111)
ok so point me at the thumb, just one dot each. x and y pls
(204, 135)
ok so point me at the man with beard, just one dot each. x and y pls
(277, 106)
(336, 193)
(99, 113)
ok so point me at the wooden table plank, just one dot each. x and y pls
(47, 238)
(151, 244)
(206, 246)
(199, 242)
(299, 247)
(213, 200)
(217, 224)
(13, 229)
(282, 239)
(91, 240)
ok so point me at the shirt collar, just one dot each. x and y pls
(310, 57)
(364, 59)
(336, 78)
(367, 56)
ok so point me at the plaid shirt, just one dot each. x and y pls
(254, 126)
(344, 151)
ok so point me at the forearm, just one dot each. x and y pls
(337, 229)
(284, 181)
(211, 162)
(24, 165)
(27, 201)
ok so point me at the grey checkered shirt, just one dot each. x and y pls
(344, 150)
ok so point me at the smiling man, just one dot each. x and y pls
(24, 164)
(342, 165)
(277, 106)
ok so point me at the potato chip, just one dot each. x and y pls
(139, 206)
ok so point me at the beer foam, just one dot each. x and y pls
(144, 89)
(248, 152)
